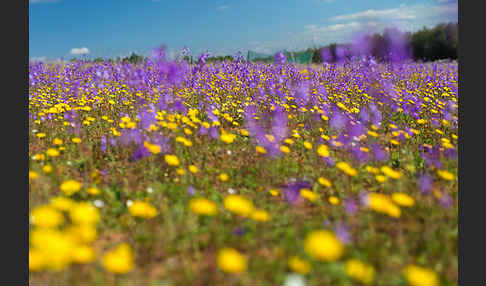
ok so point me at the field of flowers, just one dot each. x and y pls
(161, 173)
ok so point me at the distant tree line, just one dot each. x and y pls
(427, 44)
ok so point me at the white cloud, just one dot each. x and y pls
(397, 14)
(222, 7)
(79, 51)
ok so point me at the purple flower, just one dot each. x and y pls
(213, 132)
(425, 183)
(337, 121)
(280, 58)
(292, 190)
(191, 191)
(139, 153)
(445, 200)
(350, 206)
(342, 233)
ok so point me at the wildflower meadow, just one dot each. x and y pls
(240, 173)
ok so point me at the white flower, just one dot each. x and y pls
(228, 152)
(294, 280)
(98, 203)
(231, 190)
(129, 203)
(34, 131)
(150, 190)
(69, 163)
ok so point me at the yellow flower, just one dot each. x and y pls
(142, 209)
(227, 137)
(445, 175)
(172, 160)
(323, 151)
(202, 206)
(231, 261)
(419, 276)
(47, 169)
(57, 141)
(260, 149)
(70, 187)
(307, 145)
(372, 169)
(274, 192)
(62, 203)
(308, 194)
(180, 171)
(402, 199)
(381, 178)
(84, 213)
(299, 265)
(260, 215)
(323, 245)
(346, 168)
(389, 172)
(83, 254)
(52, 152)
(223, 177)
(93, 191)
(238, 205)
(33, 175)
(41, 135)
(360, 271)
(46, 216)
(333, 200)
(37, 260)
(82, 233)
(325, 182)
(152, 148)
(119, 260)
(383, 204)
(76, 140)
(54, 246)
(193, 169)
(285, 149)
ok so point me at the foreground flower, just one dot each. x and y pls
(202, 206)
(445, 175)
(419, 276)
(323, 151)
(389, 172)
(70, 187)
(84, 213)
(383, 204)
(299, 265)
(260, 215)
(346, 168)
(323, 245)
(53, 246)
(402, 199)
(360, 271)
(231, 261)
(172, 160)
(142, 209)
(294, 280)
(46, 216)
(119, 260)
(238, 205)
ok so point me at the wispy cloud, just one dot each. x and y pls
(79, 51)
(222, 7)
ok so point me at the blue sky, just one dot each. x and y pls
(111, 28)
